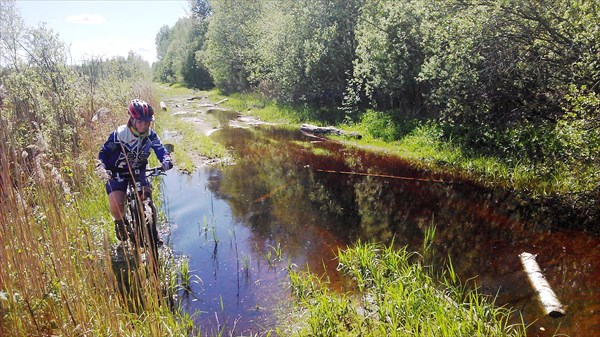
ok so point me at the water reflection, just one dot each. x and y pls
(288, 190)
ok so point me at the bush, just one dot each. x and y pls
(379, 125)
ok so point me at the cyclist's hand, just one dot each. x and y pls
(103, 173)
(106, 176)
(167, 164)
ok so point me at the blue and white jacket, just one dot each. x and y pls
(124, 150)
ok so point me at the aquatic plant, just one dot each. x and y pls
(277, 250)
(184, 271)
(394, 296)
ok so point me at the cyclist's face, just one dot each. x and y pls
(141, 126)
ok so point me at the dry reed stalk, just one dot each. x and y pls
(49, 267)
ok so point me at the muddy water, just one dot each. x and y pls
(290, 199)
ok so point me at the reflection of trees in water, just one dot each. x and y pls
(270, 190)
(274, 190)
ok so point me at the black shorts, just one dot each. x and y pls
(121, 184)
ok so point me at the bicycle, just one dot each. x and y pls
(141, 215)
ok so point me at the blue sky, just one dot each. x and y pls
(105, 28)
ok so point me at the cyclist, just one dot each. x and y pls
(126, 150)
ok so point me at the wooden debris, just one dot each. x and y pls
(546, 295)
(328, 130)
(163, 106)
(221, 101)
(100, 113)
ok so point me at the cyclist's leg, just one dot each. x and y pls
(116, 202)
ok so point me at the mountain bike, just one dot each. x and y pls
(140, 212)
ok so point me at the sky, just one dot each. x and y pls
(94, 28)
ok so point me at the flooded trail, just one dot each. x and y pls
(291, 200)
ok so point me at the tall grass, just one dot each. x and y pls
(58, 272)
(393, 294)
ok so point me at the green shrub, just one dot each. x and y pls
(379, 125)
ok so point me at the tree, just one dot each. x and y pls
(304, 50)
(162, 42)
(506, 66)
(11, 33)
(201, 9)
(229, 44)
(41, 91)
(389, 57)
(177, 48)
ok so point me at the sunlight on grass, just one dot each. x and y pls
(164, 90)
(252, 104)
(425, 149)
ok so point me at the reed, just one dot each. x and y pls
(184, 271)
(56, 267)
(274, 255)
(246, 265)
(277, 250)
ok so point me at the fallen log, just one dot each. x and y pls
(546, 295)
(100, 113)
(163, 106)
(327, 130)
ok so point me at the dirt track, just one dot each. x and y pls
(206, 116)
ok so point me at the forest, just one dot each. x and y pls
(515, 80)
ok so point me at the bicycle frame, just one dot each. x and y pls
(140, 212)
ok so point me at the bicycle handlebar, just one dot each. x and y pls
(154, 172)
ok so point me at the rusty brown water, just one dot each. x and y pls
(290, 191)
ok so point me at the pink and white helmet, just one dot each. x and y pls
(141, 110)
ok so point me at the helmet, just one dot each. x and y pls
(141, 110)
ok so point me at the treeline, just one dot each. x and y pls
(514, 79)
(47, 99)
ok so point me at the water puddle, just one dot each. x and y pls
(289, 199)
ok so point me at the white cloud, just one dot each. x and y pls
(86, 19)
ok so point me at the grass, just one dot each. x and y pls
(56, 271)
(191, 143)
(58, 275)
(162, 90)
(186, 277)
(394, 294)
(425, 148)
(255, 105)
